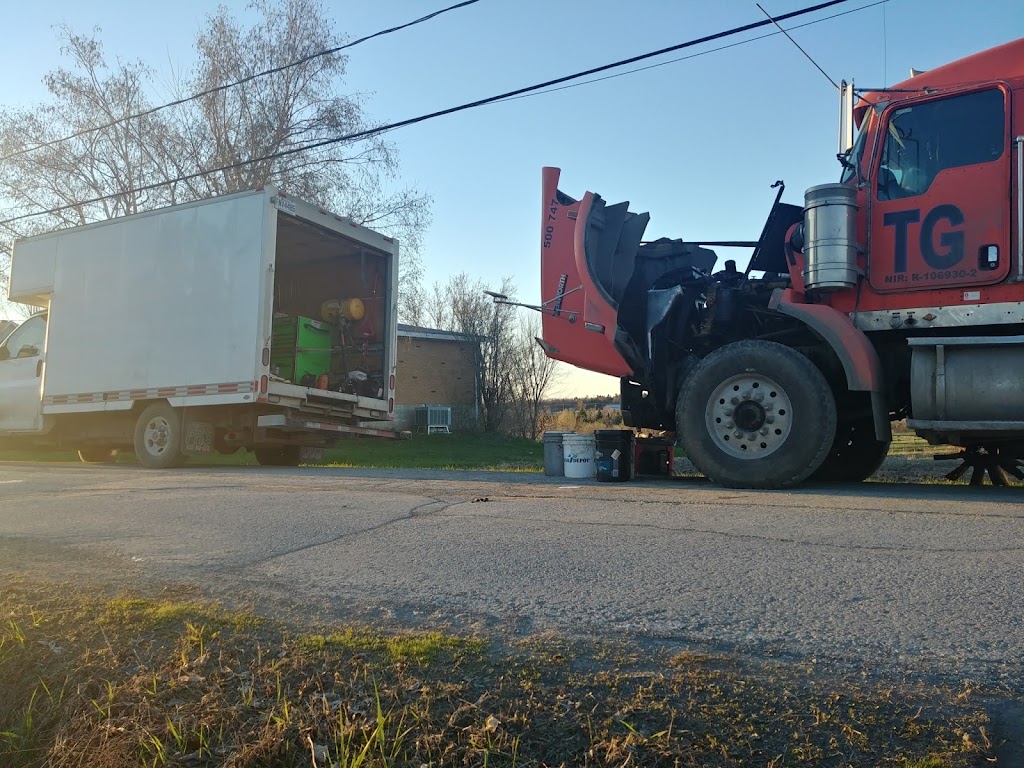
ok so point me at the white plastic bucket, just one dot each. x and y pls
(579, 455)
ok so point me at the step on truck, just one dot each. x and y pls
(896, 293)
(250, 321)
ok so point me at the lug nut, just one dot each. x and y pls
(727, 411)
(751, 436)
(764, 430)
(769, 406)
(746, 395)
(759, 396)
(738, 433)
(770, 419)
(729, 425)
(735, 401)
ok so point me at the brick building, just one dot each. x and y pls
(435, 368)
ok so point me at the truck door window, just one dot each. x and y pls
(922, 140)
(27, 341)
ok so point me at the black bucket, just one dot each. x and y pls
(613, 455)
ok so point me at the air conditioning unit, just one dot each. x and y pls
(433, 418)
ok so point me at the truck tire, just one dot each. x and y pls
(97, 455)
(855, 454)
(278, 455)
(756, 414)
(158, 437)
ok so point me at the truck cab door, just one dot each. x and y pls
(21, 367)
(940, 194)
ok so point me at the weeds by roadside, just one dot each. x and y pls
(465, 450)
(174, 681)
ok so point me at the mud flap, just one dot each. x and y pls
(198, 435)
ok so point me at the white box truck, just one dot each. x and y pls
(249, 321)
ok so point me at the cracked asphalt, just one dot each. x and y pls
(901, 577)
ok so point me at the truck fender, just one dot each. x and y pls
(858, 356)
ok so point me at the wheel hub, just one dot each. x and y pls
(749, 416)
(157, 436)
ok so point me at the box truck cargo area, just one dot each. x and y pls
(250, 321)
(329, 318)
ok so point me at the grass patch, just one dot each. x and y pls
(910, 445)
(164, 613)
(176, 681)
(456, 451)
(421, 647)
(905, 442)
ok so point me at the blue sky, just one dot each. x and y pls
(697, 142)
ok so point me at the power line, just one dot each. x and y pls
(243, 81)
(440, 113)
(700, 53)
(799, 47)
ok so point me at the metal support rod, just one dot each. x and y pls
(1019, 141)
(727, 243)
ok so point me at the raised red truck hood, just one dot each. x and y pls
(587, 255)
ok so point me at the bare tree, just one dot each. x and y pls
(438, 307)
(513, 373)
(111, 163)
(261, 118)
(461, 305)
(534, 372)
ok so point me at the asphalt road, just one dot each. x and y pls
(887, 576)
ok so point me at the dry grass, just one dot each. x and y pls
(906, 443)
(175, 681)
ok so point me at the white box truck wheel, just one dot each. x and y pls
(158, 437)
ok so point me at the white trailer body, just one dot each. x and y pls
(177, 306)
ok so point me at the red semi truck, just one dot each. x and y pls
(896, 293)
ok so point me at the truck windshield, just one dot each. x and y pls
(853, 160)
(851, 166)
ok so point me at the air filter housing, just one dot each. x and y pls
(830, 237)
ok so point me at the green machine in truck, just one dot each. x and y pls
(300, 350)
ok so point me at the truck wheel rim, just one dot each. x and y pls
(749, 416)
(157, 437)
